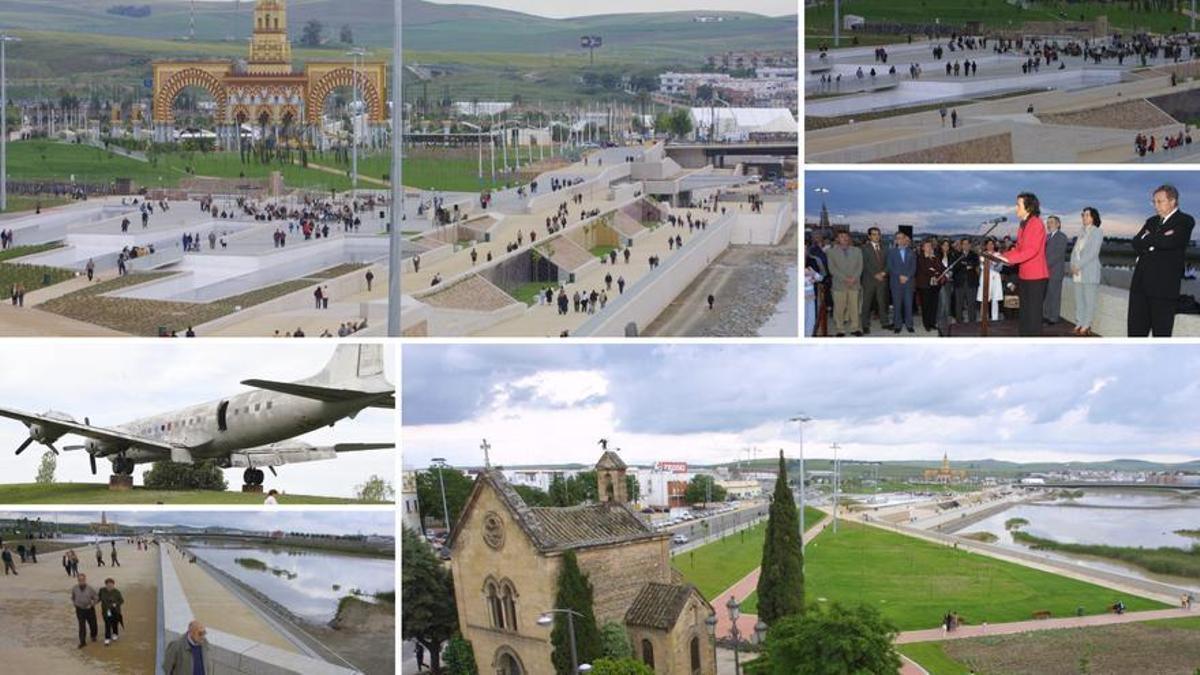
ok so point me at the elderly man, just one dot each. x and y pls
(1161, 246)
(189, 654)
(846, 268)
(85, 598)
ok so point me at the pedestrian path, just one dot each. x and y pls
(37, 624)
(984, 630)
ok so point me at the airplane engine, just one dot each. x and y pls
(46, 434)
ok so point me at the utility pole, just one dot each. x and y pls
(837, 478)
(800, 421)
(395, 259)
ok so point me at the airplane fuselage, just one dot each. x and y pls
(216, 429)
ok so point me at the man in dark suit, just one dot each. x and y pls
(874, 280)
(1056, 259)
(902, 277)
(966, 283)
(1160, 246)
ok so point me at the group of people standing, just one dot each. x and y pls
(944, 277)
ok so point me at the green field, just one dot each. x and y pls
(714, 567)
(818, 21)
(29, 276)
(1101, 646)
(96, 493)
(915, 582)
(23, 203)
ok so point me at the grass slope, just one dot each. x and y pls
(93, 493)
(915, 582)
(714, 567)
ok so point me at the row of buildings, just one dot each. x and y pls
(770, 87)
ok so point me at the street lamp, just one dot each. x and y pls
(395, 243)
(547, 619)
(479, 135)
(735, 610)
(358, 53)
(837, 479)
(4, 40)
(440, 464)
(800, 420)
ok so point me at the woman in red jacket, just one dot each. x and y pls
(1033, 274)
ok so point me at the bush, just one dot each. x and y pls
(175, 476)
(608, 666)
(459, 657)
(614, 641)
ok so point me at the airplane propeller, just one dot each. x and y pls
(29, 441)
(92, 460)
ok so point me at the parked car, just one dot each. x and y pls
(679, 539)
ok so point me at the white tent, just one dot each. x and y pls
(735, 124)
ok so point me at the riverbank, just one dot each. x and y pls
(1162, 560)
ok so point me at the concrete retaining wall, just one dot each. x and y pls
(647, 299)
(229, 653)
(444, 321)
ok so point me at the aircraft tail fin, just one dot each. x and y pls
(355, 372)
(351, 363)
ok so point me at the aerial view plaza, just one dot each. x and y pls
(558, 524)
(198, 592)
(205, 187)
(1000, 81)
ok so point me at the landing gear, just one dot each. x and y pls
(122, 478)
(253, 479)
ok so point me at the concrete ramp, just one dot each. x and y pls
(625, 225)
(473, 293)
(566, 254)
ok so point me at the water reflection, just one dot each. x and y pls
(301, 580)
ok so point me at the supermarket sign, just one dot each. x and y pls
(671, 467)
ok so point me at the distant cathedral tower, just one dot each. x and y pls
(270, 49)
(610, 479)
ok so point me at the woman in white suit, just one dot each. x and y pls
(995, 285)
(1085, 270)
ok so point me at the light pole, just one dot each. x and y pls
(439, 463)
(800, 420)
(479, 136)
(547, 619)
(4, 40)
(735, 610)
(358, 53)
(837, 478)
(395, 249)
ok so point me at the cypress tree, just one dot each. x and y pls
(575, 593)
(781, 582)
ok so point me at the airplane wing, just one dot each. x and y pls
(293, 453)
(380, 399)
(52, 427)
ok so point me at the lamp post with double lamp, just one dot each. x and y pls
(735, 611)
(4, 40)
(837, 480)
(800, 421)
(547, 619)
(357, 53)
(440, 464)
(395, 242)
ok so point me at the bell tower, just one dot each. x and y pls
(610, 479)
(270, 49)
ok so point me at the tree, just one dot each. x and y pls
(346, 35)
(574, 593)
(429, 614)
(533, 496)
(681, 122)
(460, 658)
(614, 641)
(312, 33)
(429, 493)
(704, 489)
(781, 583)
(168, 475)
(375, 489)
(45, 472)
(830, 642)
(607, 666)
(633, 489)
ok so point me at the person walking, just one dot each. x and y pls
(111, 601)
(6, 556)
(188, 655)
(112, 555)
(85, 598)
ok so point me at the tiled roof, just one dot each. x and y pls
(610, 460)
(658, 605)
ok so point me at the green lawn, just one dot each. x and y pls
(21, 203)
(933, 658)
(602, 251)
(95, 493)
(528, 292)
(32, 277)
(915, 582)
(714, 567)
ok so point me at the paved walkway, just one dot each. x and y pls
(747, 585)
(216, 606)
(964, 632)
(37, 624)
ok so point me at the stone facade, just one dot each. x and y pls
(506, 557)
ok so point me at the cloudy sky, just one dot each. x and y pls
(958, 201)
(314, 522)
(117, 382)
(565, 8)
(705, 403)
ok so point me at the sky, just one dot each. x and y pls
(566, 8)
(311, 522)
(116, 382)
(550, 404)
(951, 202)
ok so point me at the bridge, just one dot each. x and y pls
(1091, 485)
